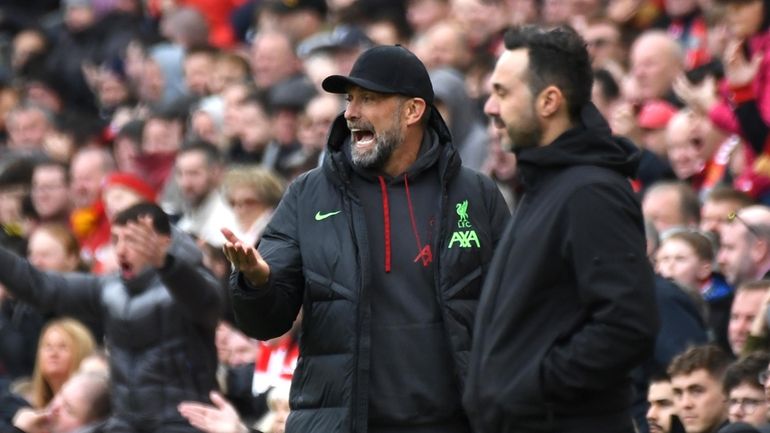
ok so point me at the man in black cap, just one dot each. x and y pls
(299, 18)
(384, 248)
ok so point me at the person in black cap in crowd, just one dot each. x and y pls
(384, 248)
(286, 100)
(568, 307)
(299, 18)
(343, 44)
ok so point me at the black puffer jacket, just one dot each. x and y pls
(568, 308)
(159, 329)
(319, 248)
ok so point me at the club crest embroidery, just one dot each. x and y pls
(465, 236)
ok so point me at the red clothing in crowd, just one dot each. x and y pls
(217, 14)
(274, 363)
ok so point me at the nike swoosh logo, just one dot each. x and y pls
(322, 216)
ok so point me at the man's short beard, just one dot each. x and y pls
(522, 139)
(386, 143)
(529, 134)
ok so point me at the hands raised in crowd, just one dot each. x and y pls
(146, 242)
(220, 417)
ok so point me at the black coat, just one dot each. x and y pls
(324, 266)
(159, 328)
(681, 326)
(568, 307)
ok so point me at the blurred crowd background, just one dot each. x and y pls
(211, 107)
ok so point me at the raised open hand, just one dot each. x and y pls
(245, 258)
(219, 418)
(698, 97)
(148, 243)
(740, 71)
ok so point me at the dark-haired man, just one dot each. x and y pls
(696, 377)
(159, 315)
(384, 248)
(568, 306)
(198, 172)
(661, 415)
(50, 181)
(199, 69)
(746, 401)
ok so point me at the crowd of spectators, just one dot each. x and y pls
(210, 108)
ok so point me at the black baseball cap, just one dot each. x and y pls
(385, 69)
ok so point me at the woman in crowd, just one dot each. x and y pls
(63, 344)
(253, 193)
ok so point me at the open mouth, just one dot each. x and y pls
(362, 137)
(126, 270)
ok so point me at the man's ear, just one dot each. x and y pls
(550, 101)
(760, 250)
(415, 108)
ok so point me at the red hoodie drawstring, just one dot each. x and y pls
(386, 218)
(424, 253)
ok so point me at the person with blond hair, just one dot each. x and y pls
(253, 192)
(63, 344)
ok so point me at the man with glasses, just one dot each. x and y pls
(696, 379)
(744, 253)
(745, 393)
(49, 197)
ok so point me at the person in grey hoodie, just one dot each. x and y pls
(469, 134)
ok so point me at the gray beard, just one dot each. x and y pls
(383, 148)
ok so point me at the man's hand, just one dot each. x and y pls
(245, 259)
(740, 71)
(219, 418)
(759, 325)
(698, 97)
(624, 122)
(148, 243)
(31, 421)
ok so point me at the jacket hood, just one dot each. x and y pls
(589, 143)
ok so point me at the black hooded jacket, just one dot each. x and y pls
(159, 329)
(568, 306)
(385, 335)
